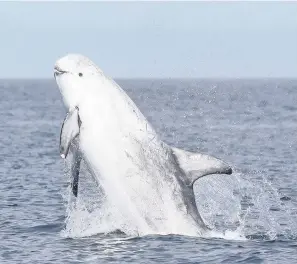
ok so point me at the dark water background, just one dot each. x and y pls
(251, 124)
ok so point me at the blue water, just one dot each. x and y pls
(251, 124)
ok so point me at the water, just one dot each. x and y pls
(251, 124)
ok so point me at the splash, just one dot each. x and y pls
(235, 209)
(91, 213)
(246, 205)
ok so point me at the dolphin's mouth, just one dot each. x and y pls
(58, 71)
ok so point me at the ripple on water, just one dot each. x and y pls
(249, 123)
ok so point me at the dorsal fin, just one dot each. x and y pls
(198, 165)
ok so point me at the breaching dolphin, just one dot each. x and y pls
(149, 182)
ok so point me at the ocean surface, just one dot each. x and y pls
(251, 124)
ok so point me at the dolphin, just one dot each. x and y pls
(149, 182)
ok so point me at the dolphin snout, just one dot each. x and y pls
(58, 71)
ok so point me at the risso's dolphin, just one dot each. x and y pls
(149, 182)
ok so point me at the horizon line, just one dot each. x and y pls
(166, 78)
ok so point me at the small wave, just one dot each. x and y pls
(48, 228)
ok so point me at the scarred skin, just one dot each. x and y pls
(149, 182)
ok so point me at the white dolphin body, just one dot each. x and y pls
(150, 183)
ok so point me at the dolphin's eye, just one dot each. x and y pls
(80, 74)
